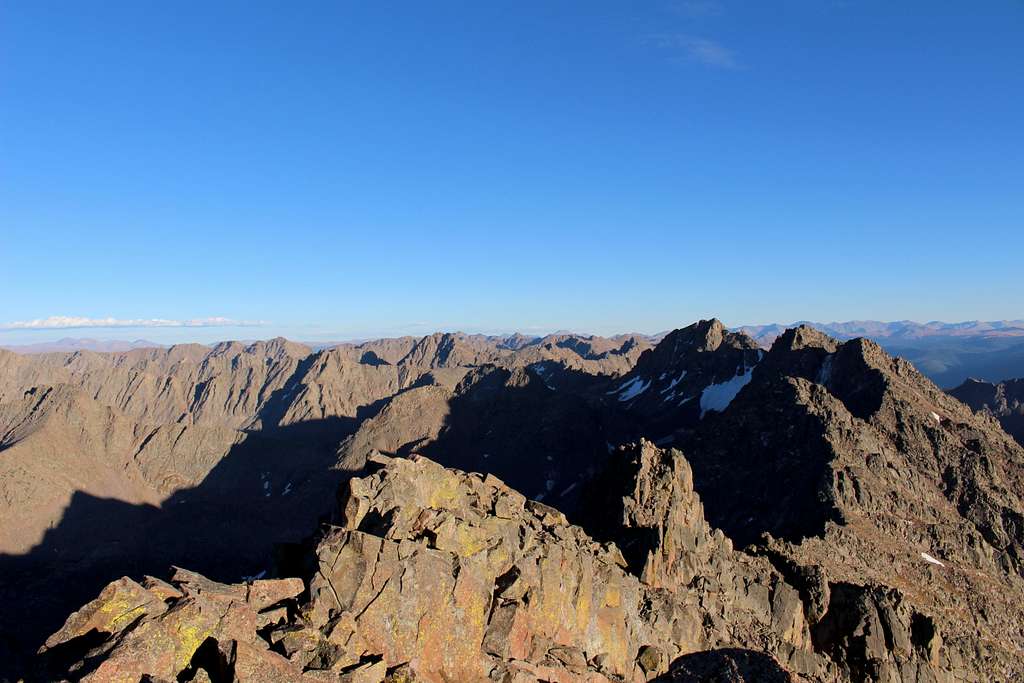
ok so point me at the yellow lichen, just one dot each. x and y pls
(121, 609)
(190, 637)
(445, 493)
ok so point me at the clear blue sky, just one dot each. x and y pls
(345, 169)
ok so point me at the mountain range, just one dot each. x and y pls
(902, 329)
(948, 353)
(71, 344)
(695, 506)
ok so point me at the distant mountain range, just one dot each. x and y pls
(901, 329)
(948, 353)
(71, 344)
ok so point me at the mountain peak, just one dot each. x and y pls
(701, 336)
(704, 335)
(802, 337)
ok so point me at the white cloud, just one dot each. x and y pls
(63, 322)
(703, 50)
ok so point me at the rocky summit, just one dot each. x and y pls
(465, 508)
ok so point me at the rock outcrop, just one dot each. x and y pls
(438, 575)
(171, 631)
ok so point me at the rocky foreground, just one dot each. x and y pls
(817, 512)
(437, 575)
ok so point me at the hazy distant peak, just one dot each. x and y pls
(900, 329)
(70, 344)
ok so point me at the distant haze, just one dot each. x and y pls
(67, 344)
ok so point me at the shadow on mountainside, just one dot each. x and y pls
(728, 665)
(270, 489)
(542, 442)
(273, 488)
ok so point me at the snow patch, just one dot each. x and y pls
(928, 558)
(542, 373)
(674, 382)
(825, 373)
(935, 416)
(634, 388)
(717, 397)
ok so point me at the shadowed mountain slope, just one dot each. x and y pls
(840, 457)
(1004, 401)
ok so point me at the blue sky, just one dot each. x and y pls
(351, 169)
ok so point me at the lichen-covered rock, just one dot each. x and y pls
(456, 572)
(437, 575)
(159, 631)
(120, 604)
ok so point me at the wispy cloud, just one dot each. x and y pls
(697, 49)
(61, 322)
